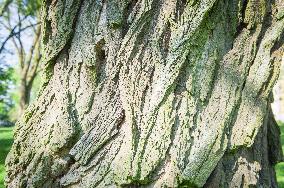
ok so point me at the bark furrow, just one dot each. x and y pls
(153, 93)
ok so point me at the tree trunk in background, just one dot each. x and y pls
(25, 94)
(29, 65)
(159, 93)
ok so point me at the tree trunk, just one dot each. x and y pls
(25, 93)
(158, 93)
(29, 69)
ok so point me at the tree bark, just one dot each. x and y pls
(153, 93)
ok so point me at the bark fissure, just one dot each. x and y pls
(153, 94)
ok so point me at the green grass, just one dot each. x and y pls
(280, 167)
(6, 140)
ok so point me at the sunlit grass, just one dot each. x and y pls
(6, 140)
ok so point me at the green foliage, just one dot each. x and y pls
(4, 5)
(6, 82)
(280, 166)
(29, 7)
(5, 74)
(15, 95)
(6, 140)
(26, 7)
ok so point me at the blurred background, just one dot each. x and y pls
(20, 72)
(20, 68)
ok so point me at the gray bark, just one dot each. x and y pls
(153, 93)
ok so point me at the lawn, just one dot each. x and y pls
(6, 140)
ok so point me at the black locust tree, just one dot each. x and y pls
(153, 93)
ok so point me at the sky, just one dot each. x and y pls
(9, 57)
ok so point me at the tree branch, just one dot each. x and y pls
(31, 54)
(13, 33)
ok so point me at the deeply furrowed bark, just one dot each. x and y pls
(158, 93)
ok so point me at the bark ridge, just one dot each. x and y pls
(153, 93)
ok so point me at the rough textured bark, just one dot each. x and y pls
(153, 93)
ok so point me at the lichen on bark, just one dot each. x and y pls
(153, 93)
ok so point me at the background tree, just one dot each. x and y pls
(153, 93)
(18, 19)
